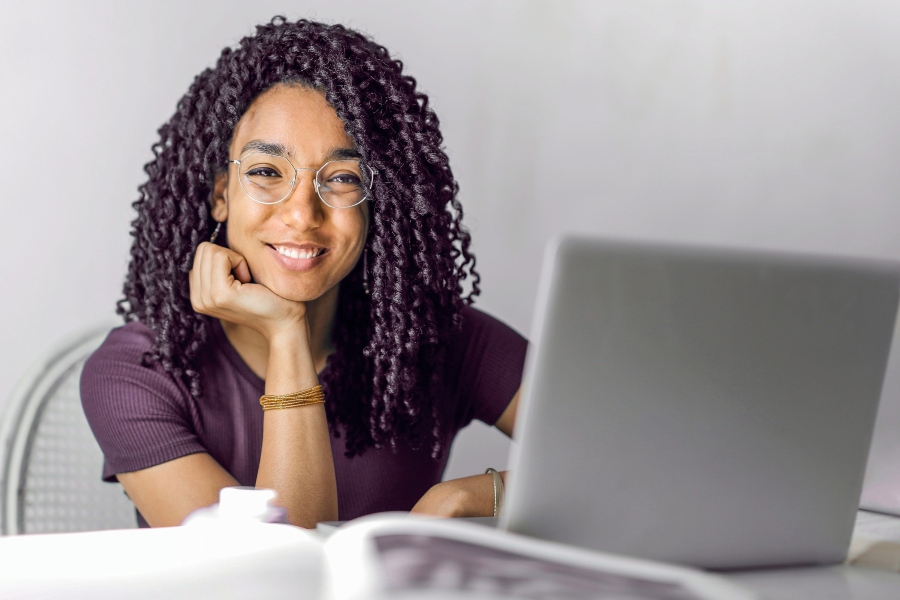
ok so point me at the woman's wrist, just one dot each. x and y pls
(466, 497)
(290, 366)
(288, 337)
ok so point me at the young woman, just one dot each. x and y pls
(300, 228)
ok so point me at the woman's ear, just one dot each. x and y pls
(219, 202)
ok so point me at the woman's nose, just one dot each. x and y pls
(303, 209)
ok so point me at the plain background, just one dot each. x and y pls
(767, 124)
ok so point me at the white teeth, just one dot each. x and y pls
(294, 253)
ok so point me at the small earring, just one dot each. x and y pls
(215, 234)
(366, 271)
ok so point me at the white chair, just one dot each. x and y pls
(50, 463)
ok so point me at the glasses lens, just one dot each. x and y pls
(341, 183)
(266, 178)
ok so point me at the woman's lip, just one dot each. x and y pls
(294, 246)
(297, 264)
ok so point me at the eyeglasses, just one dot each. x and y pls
(269, 179)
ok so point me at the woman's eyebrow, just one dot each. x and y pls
(278, 149)
(342, 154)
(268, 147)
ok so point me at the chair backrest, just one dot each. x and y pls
(50, 463)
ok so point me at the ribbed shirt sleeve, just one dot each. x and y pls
(486, 359)
(139, 415)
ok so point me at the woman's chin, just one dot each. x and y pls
(292, 291)
(294, 295)
(297, 287)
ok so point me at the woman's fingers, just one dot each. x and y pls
(228, 263)
(225, 288)
(223, 285)
(211, 279)
(241, 270)
(203, 267)
(195, 280)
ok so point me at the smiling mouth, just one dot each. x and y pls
(299, 252)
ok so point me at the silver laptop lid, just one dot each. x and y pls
(881, 486)
(701, 406)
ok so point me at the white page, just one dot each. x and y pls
(215, 560)
(400, 556)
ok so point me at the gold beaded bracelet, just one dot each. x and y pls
(313, 395)
(498, 491)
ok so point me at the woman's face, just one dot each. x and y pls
(300, 124)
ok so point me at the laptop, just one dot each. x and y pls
(702, 406)
(881, 486)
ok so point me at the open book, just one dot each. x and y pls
(400, 556)
(380, 556)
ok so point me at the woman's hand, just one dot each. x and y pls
(221, 288)
(466, 497)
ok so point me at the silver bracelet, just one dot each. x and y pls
(498, 490)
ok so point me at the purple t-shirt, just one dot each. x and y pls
(142, 417)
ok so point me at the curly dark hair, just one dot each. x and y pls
(389, 347)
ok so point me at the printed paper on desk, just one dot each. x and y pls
(400, 556)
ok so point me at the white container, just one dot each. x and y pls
(241, 504)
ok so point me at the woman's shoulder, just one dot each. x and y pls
(130, 340)
(140, 414)
(485, 360)
(119, 364)
(477, 324)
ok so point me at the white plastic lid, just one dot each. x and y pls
(245, 502)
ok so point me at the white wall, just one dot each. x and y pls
(768, 124)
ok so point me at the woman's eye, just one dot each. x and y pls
(262, 172)
(345, 178)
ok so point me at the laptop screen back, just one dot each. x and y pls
(708, 407)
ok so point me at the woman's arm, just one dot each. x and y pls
(469, 496)
(166, 493)
(296, 456)
(507, 420)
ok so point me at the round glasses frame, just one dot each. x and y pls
(315, 180)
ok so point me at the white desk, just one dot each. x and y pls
(876, 543)
(822, 583)
(280, 562)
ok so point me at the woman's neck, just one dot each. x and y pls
(254, 349)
